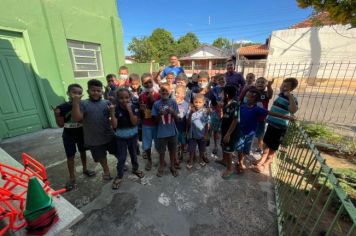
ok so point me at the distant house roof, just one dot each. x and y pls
(206, 52)
(320, 19)
(254, 50)
(129, 58)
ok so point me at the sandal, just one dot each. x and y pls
(148, 166)
(107, 176)
(89, 173)
(116, 183)
(215, 151)
(138, 173)
(174, 172)
(221, 162)
(159, 172)
(202, 164)
(70, 185)
(227, 175)
(189, 166)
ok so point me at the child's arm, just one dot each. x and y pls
(133, 117)
(291, 118)
(77, 115)
(269, 89)
(59, 118)
(229, 132)
(292, 104)
(113, 118)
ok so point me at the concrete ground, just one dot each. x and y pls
(198, 202)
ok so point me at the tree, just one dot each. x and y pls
(187, 43)
(342, 12)
(163, 45)
(222, 43)
(141, 49)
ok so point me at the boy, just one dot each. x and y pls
(109, 93)
(198, 121)
(165, 111)
(203, 88)
(72, 135)
(123, 77)
(183, 107)
(183, 80)
(250, 113)
(94, 114)
(250, 81)
(285, 104)
(170, 81)
(193, 82)
(149, 127)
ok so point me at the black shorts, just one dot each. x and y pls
(73, 139)
(99, 152)
(169, 142)
(273, 137)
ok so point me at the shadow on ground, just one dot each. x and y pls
(198, 202)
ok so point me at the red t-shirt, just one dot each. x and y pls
(144, 100)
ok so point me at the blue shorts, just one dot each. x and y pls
(149, 134)
(215, 121)
(261, 128)
(182, 138)
(245, 142)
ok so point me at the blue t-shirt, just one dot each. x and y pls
(175, 69)
(166, 126)
(249, 118)
(182, 115)
(197, 125)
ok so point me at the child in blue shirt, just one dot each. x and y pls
(165, 112)
(124, 118)
(198, 121)
(111, 87)
(183, 107)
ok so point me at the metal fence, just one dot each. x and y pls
(309, 198)
(326, 92)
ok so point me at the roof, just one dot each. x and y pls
(320, 19)
(257, 49)
(206, 51)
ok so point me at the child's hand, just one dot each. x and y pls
(111, 108)
(56, 111)
(269, 83)
(170, 110)
(76, 98)
(226, 138)
(287, 93)
(192, 109)
(128, 106)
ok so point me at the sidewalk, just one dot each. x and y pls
(198, 202)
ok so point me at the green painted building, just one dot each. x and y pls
(45, 45)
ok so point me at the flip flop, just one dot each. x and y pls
(148, 166)
(116, 183)
(202, 163)
(215, 151)
(89, 173)
(229, 176)
(159, 173)
(70, 185)
(189, 166)
(107, 177)
(174, 172)
(138, 173)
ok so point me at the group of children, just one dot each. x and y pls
(179, 115)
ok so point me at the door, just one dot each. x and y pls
(21, 109)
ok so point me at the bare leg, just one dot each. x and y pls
(173, 160)
(260, 143)
(241, 160)
(104, 164)
(228, 158)
(70, 164)
(149, 159)
(83, 158)
(264, 156)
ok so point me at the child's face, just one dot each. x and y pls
(147, 82)
(230, 67)
(180, 94)
(170, 78)
(203, 82)
(95, 92)
(75, 91)
(198, 103)
(221, 81)
(123, 74)
(164, 92)
(261, 84)
(251, 98)
(124, 98)
(111, 81)
(286, 87)
(135, 84)
(181, 82)
(250, 79)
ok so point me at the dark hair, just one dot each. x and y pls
(261, 78)
(293, 81)
(199, 96)
(195, 76)
(255, 91)
(122, 89)
(252, 74)
(94, 82)
(134, 77)
(182, 76)
(173, 55)
(164, 84)
(145, 75)
(230, 91)
(123, 68)
(170, 73)
(204, 74)
(71, 86)
(109, 76)
(219, 76)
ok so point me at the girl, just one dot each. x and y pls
(124, 118)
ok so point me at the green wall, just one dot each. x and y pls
(47, 24)
(140, 68)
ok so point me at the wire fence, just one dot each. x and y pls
(309, 198)
(326, 92)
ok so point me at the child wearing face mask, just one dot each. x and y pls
(182, 80)
(203, 88)
(124, 118)
(123, 80)
(111, 87)
(183, 107)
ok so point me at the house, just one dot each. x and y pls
(44, 47)
(252, 59)
(205, 57)
(129, 60)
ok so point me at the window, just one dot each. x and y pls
(86, 59)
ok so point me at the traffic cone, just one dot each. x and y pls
(37, 199)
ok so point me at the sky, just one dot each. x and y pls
(251, 20)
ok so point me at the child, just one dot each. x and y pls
(203, 88)
(183, 80)
(265, 96)
(149, 126)
(217, 105)
(124, 118)
(110, 89)
(193, 82)
(123, 77)
(170, 81)
(165, 112)
(250, 81)
(72, 135)
(229, 129)
(285, 104)
(198, 121)
(183, 107)
(94, 114)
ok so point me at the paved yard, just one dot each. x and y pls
(198, 202)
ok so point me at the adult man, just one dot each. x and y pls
(233, 78)
(174, 67)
